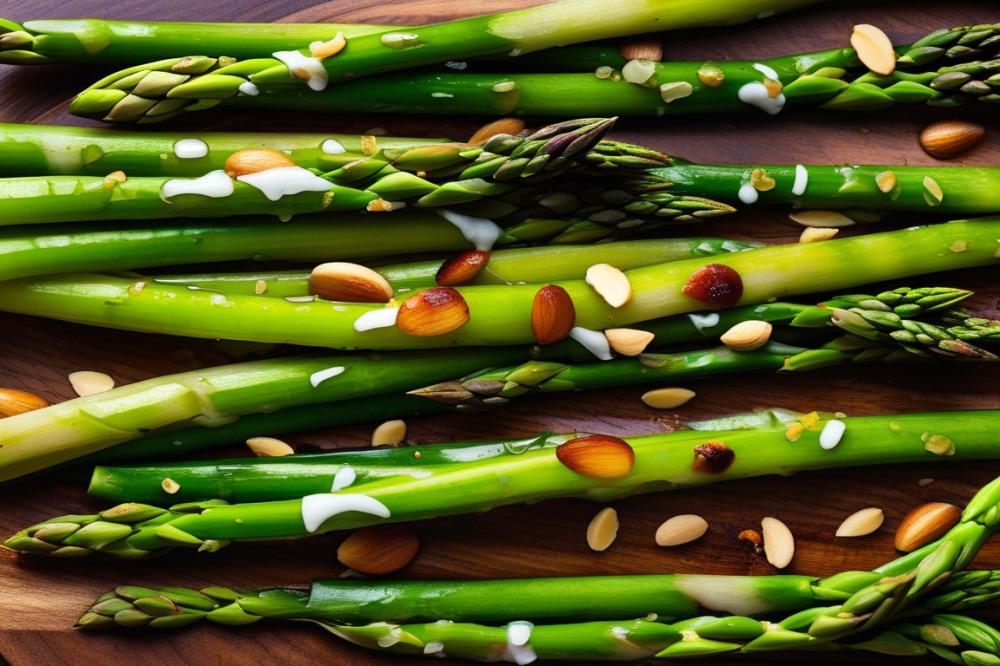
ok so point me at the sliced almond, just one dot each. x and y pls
(861, 523)
(711, 75)
(88, 382)
(761, 181)
(260, 287)
(650, 48)
(886, 181)
(597, 456)
(874, 49)
(14, 402)
(435, 311)
(462, 268)
(552, 314)
(680, 530)
(926, 523)
(933, 194)
(379, 549)
(779, 544)
(610, 283)
(821, 218)
(939, 445)
(667, 398)
(675, 90)
(510, 126)
(628, 341)
(817, 234)
(329, 48)
(269, 447)
(639, 72)
(255, 160)
(390, 433)
(170, 486)
(748, 335)
(344, 281)
(113, 179)
(950, 138)
(602, 530)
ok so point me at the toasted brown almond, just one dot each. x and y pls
(950, 138)
(597, 456)
(821, 218)
(552, 314)
(390, 433)
(269, 447)
(344, 281)
(170, 486)
(602, 530)
(874, 49)
(462, 268)
(434, 311)
(779, 544)
(610, 283)
(680, 530)
(88, 382)
(712, 457)
(628, 341)
(510, 126)
(14, 402)
(861, 523)
(254, 160)
(379, 549)
(748, 335)
(329, 48)
(750, 536)
(817, 234)
(650, 48)
(667, 398)
(717, 285)
(926, 523)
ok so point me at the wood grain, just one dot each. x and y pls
(39, 600)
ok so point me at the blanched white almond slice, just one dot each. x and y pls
(610, 283)
(269, 447)
(628, 341)
(821, 218)
(748, 335)
(681, 529)
(667, 398)
(88, 382)
(861, 523)
(603, 530)
(874, 49)
(390, 433)
(779, 544)
(817, 234)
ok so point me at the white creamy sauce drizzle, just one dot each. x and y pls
(344, 477)
(381, 318)
(249, 88)
(595, 342)
(801, 180)
(319, 508)
(756, 94)
(748, 193)
(321, 376)
(766, 71)
(332, 147)
(731, 594)
(518, 649)
(479, 231)
(392, 637)
(703, 321)
(283, 181)
(214, 184)
(831, 434)
(190, 149)
(312, 67)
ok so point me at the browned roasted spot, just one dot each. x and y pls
(712, 457)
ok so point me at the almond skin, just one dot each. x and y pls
(642, 49)
(628, 341)
(254, 160)
(379, 549)
(950, 138)
(344, 281)
(552, 314)
(716, 285)
(462, 268)
(681, 529)
(435, 311)
(510, 126)
(926, 523)
(597, 456)
(14, 402)
(610, 283)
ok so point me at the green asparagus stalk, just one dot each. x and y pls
(135, 530)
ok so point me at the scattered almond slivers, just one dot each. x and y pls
(552, 314)
(435, 311)
(269, 447)
(748, 335)
(667, 398)
(779, 544)
(344, 281)
(379, 549)
(821, 218)
(602, 530)
(926, 523)
(861, 523)
(170, 486)
(254, 160)
(628, 341)
(597, 456)
(886, 181)
(950, 138)
(329, 48)
(88, 382)
(610, 283)
(510, 126)
(939, 445)
(933, 194)
(681, 529)
(390, 433)
(14, 402)
(817, 234)
(874, 49)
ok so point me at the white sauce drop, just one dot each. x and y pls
(321, 376)
(249, 88)
(703, 321)
(831, 434)
(767, 71)
(748, 193)
(518, 650)
(344, 477)
(621, 633)
(479, 231)
(214, 184)
(755, 94)
(283, 181)
(434, 647)
(595, 342)
(332, 147)
(317, 78)
(801, 180)
(381, 318)
(189, 149)
(319, 508)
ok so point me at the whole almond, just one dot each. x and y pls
(610, 283)
(628, 341)
(779, 544)
(650, 48)
(390, 433)
(926, 523)
(680, 530)
(14, 402)
(254, 160)
(861, 522)
(552, 314)
(597, 456)
(602, 530)
(462, 268)
(748, 335)
(500, 126)
(379, 549)
(344, 281)
(950, 138)
(269, 447)
(435, 311)
(821, 218)
(667, 398)
(874, 49)
(88, 382)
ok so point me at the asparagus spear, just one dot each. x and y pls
(133, 530)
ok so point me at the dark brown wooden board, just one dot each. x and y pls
(40, 599)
